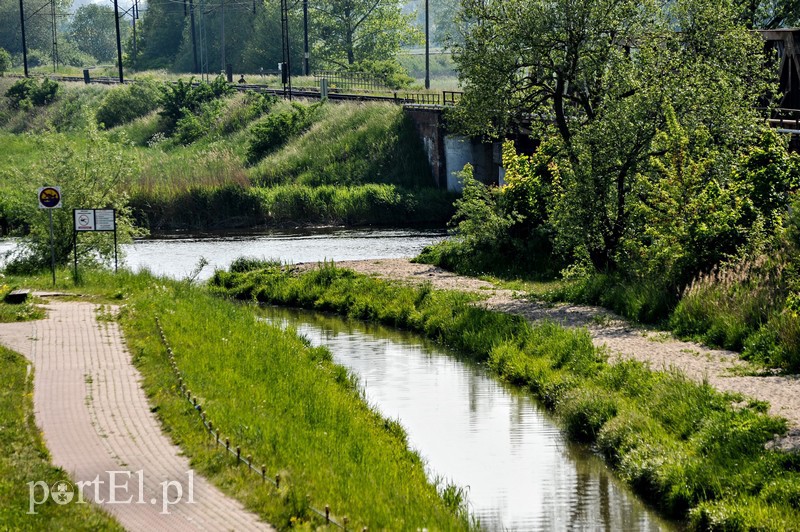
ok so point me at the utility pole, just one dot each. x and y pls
(287, 60)
(427, 47)
(24, 44)
(222, 43)
(135, 16)
(55, 35)
(306, 69)
(194, 40)
(119, 43)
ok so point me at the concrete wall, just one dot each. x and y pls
(462, 150)
(429, 124)
(447, 154)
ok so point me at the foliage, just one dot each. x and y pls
(679, 444)
(89, 178)
(392, 73)
(608, 104)
(351, 31)
(236, 206)
(503, 230)
(277, 128)
(193, 126)
(5, 61)
(184, 98)
(124, 104)
(93, 30)
(28, 92)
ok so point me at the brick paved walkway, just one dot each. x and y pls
(96, 418)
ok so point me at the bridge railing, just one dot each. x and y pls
(351, 80)
(786, 119)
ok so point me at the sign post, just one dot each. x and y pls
(87, 220)
(50, 198)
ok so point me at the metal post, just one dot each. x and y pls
(119, 43)
(222, 41)
(427, 47)
(75, 247)
(55, 35)
(24, 44)
(306, 69)
(52, 247)
(194, 41)
(135, 15)
(287, 60)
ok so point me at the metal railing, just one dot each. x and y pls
(351, 80)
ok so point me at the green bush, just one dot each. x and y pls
(277, 128)
(181, 99)
(5, 61)
(129, 102)
(244, 110)
(28, 92)
(585, 411)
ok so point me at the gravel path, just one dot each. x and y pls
(722, 369)
(96, 419)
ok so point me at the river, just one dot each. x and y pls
(177, 256)
(519, 471)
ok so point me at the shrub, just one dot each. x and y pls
(273, 131)
(179, 99)
(28, 92)
(244, 110)
(5, 61)
(127, 103)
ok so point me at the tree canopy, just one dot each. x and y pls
(603, 76)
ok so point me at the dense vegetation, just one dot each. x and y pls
(657, 189)
(185, 156)
(282, 401)
(679, 444)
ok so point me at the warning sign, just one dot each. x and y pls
(50, 197)
(95, 219)
(84, 219)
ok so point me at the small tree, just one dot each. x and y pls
(92, 177)
(5, 61)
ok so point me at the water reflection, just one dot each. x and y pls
(476, 432)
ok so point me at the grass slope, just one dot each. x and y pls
(283, 402)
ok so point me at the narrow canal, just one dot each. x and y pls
(519, 471)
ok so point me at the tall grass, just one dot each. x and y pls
(351, 144)
(285, 403)
(679, 444)
(237, 205)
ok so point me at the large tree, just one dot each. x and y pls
(350, 31)
(601, 74)
(93, 31)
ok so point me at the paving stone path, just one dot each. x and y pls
(97, 424)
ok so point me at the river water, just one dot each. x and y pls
(177, 256)
(519, 471)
